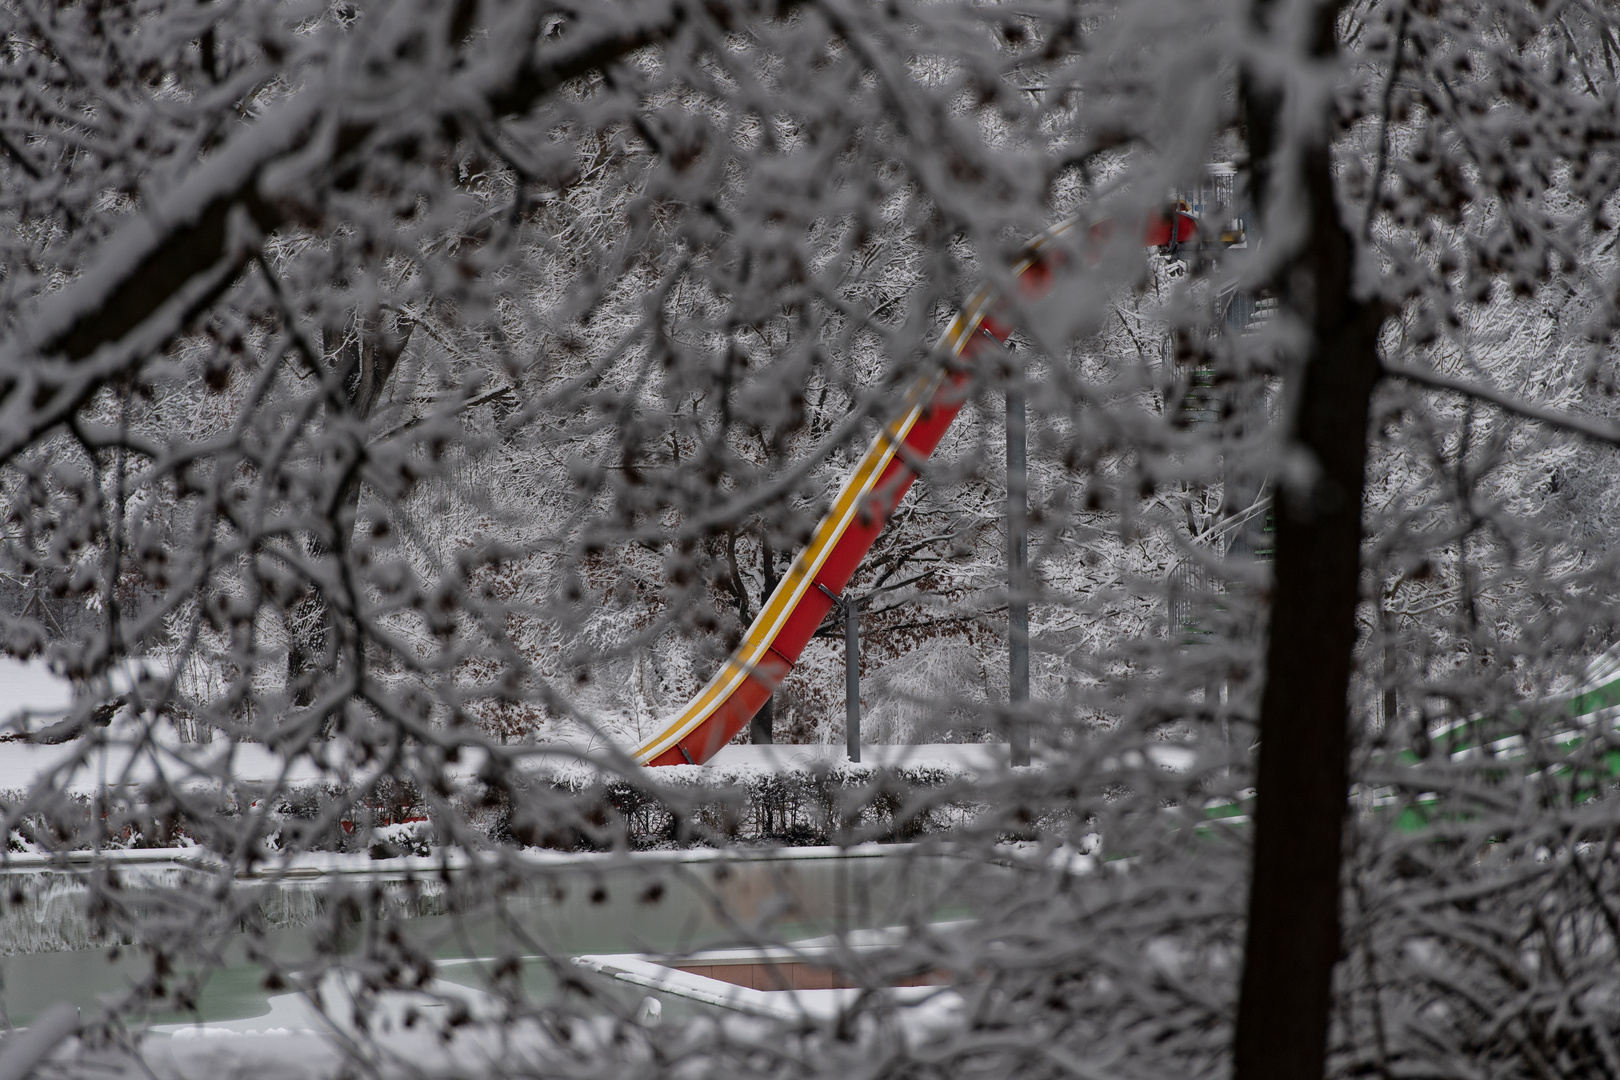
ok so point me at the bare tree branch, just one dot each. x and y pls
(153, 257)
(1596, 430)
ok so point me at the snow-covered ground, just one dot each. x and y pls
(30, 686)
(32, 697)
(81, 767)
(959, 757)
(84, 766)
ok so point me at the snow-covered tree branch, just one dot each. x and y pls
(406, 407)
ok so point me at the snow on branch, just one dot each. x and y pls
(1589, 428)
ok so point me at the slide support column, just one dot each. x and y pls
(1017, 566)
(852, 677)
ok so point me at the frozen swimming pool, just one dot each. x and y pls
(520, 931)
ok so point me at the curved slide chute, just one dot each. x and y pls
(808, 591)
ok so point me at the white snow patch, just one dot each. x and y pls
(30, 686)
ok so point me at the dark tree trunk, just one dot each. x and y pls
(762, 728)
(1303, 784)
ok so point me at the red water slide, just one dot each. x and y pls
(807, 593)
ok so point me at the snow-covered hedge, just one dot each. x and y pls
(579, 809)
(813, 804)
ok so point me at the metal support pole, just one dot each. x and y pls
(852, 677)
(1017, 569)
